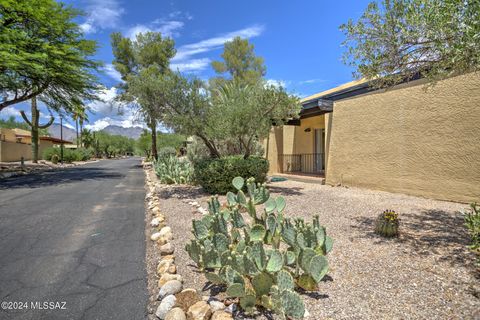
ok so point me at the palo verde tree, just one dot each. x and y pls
(35, 126)
(43, 52)
(399, 40)
(147, 56)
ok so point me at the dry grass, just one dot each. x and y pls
(427, 273)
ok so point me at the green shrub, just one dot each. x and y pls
(264, 261)
(55, 159)
(472, 222)
(387, 224)
(166, 152)
(215, 175)
(69, 155)
(173, 170)
(49, 152)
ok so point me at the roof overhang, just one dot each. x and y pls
(55, 140)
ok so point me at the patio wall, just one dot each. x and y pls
(410, 140)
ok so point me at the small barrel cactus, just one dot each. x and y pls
(387, 224)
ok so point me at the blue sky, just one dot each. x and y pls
(299, 40)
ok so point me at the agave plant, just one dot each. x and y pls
(263, 257)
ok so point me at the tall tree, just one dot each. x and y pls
(147, 56)
(401, 39)
(35, 126)
(240, 62)
(43, 52)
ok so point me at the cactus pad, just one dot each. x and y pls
(262, 284)
(292, 304)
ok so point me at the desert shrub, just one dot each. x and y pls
(166, 152)
(49, 152)
(215, 175)
(472, 222)
(55, 158)
(69, 155)
(387, 224)
(173, 170)
(264, 261)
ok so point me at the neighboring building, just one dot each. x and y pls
(411, 138)
(17, 143)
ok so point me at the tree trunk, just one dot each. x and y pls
(153, 127)
(76, 129)
(81, 133)
(35, 114)
(213, 151)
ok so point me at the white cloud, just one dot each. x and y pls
(112, 73)
(310, 81)
(191, 65)
(187, 51)
(277, 83)
(102, 14)
(167, 27)
(112, 112)
(8, 112)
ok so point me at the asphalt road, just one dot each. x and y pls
(74, 238)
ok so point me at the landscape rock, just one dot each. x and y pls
(231, 308)
(164, 265)
(155, 236)
(166, 249)
(202, 210)
(199, 311)
(187, 298)
(155, 222)
(216, 305)
(221, 315)
(176, 314)
(166, 305)
(156, 211)
(166, 233)
(169, 288)
(168, 277)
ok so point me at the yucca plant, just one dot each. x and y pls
(173, 170)
(264, 257)
(387, 224)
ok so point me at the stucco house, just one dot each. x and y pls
(17, 143)
(412, 138)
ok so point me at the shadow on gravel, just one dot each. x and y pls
(58, 176)
(291, 191)
(429, 232)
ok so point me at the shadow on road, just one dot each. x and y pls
(54, 177)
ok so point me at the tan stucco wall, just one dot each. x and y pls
(12, 151)
(409, 140)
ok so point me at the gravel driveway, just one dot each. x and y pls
(427, 273)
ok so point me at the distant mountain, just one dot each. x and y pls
(132, 132)
(68, 134)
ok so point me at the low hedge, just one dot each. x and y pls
(216, 175)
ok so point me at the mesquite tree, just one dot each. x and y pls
(34, 125)
(44, 52)
(403, 39)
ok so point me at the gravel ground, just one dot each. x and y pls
(427, 273)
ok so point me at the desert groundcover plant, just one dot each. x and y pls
(264, 257)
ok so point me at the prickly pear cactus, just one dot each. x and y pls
(387, 224)
(260, 258)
